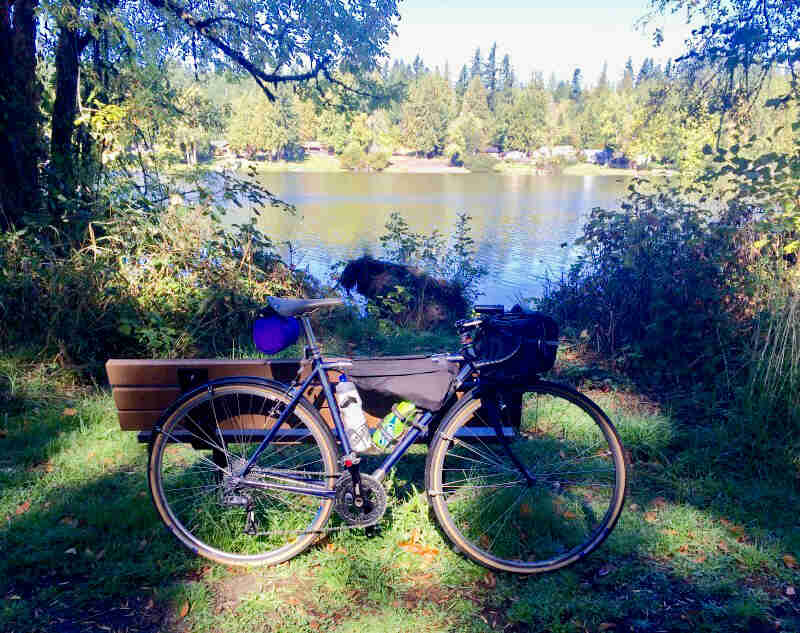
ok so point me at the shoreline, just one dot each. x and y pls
(413, 165)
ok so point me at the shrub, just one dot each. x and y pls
(478, 163)
(378, 161)
(167, 285)
(353, 156)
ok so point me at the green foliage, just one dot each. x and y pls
(165, 285)
(453, 260)
(427, 113)
(259, 124)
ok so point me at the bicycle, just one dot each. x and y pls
(523, 475)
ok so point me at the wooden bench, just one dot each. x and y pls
(144, 388)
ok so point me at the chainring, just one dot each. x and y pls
(374, 496)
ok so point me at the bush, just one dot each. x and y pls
(378, 161)
(353, 156)
(477, 163)
(168, 285)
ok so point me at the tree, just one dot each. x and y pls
(602, 83)
(575, 88)
(199, 120)
(95, 39)
(427, 114)
(475, 100)
(507, 78)
(462, 82)
(627, 77)
(476, 70)
(490, 77)
(527, 126)
(260, 124)
(20, 125)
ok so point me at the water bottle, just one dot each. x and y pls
(355, 425)
(394, 424)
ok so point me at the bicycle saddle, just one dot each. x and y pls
(293, 307)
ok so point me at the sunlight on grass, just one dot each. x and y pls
(80, 531)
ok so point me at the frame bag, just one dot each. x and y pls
(424, 380)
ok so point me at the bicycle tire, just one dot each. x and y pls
(542, 529)
(206, 513)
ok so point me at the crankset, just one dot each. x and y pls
(360, 512)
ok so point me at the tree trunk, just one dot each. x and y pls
(20, 119)
(63, 157)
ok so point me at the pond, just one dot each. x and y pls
(519, 221)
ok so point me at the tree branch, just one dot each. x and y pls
(262, 78)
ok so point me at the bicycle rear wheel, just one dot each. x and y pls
(508, 521)
(206, 438)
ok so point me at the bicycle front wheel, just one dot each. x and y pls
(203, 444)
(542, 500)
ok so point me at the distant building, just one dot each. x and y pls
(595, 156)
(312, 147)
(566, 151)
(492, 151)
(515, 155)
(220, 147)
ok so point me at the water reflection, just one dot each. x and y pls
(519, 221)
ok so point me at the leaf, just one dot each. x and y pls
(790, 561)
(658, 502)
(569, 515)
(700, 559)
(650, 517)
(490, 580)
(525, 510)
(604, 626)
(790, 591)
(23, 508)
(71, 550)
(69, 412)
(184, 610)
(722, 545)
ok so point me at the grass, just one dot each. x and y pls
(702, 545)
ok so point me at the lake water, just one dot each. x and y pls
(519, 221)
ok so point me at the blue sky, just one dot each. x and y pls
(539, 35)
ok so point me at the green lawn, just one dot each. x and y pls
(702, 545)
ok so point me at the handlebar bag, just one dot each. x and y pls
(535, 334)
(424, 380)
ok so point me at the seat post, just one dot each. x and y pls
(312, 340)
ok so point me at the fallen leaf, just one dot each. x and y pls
(604, 626)
(69, 412)
(633, 506)
(700, 559)
(658, 502)
(722, 545)
(790, 561)
(184, 609)
(70, 521)
(683, 548)
(71, 550)
(490, 580)
(23, 508)
(650, 517)
(790, 591)
(670, 532)
(569, 515)
(484, 541)
(525, 510)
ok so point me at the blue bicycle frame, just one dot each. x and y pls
(319, 369)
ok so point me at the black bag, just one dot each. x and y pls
(423, 380)
(534, 333)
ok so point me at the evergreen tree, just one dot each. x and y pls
(575, 88)
(627, 77)
(552, 84)
(475, 100)
(506, 75)
(477, 64)
(462, 82)
(427, 113)
(490, 77)
(419, 66)
(646, 71)
(602, 83)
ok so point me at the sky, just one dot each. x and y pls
(539, 35)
